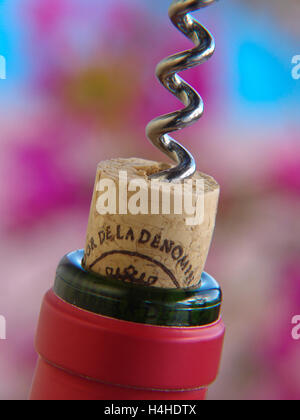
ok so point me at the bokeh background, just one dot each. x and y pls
(80, 88)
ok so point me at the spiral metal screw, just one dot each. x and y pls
(167, 72)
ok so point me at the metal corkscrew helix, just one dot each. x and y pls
(158, 130)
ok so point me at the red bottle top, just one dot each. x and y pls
(90, 356)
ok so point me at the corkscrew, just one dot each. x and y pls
(167, 72)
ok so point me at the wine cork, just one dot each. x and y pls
(147, 231)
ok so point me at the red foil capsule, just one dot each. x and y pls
(89, 356)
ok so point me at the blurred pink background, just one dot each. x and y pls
(80, 88)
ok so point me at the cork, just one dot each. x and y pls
(146, 231)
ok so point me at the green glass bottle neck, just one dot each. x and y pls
(136, 303)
